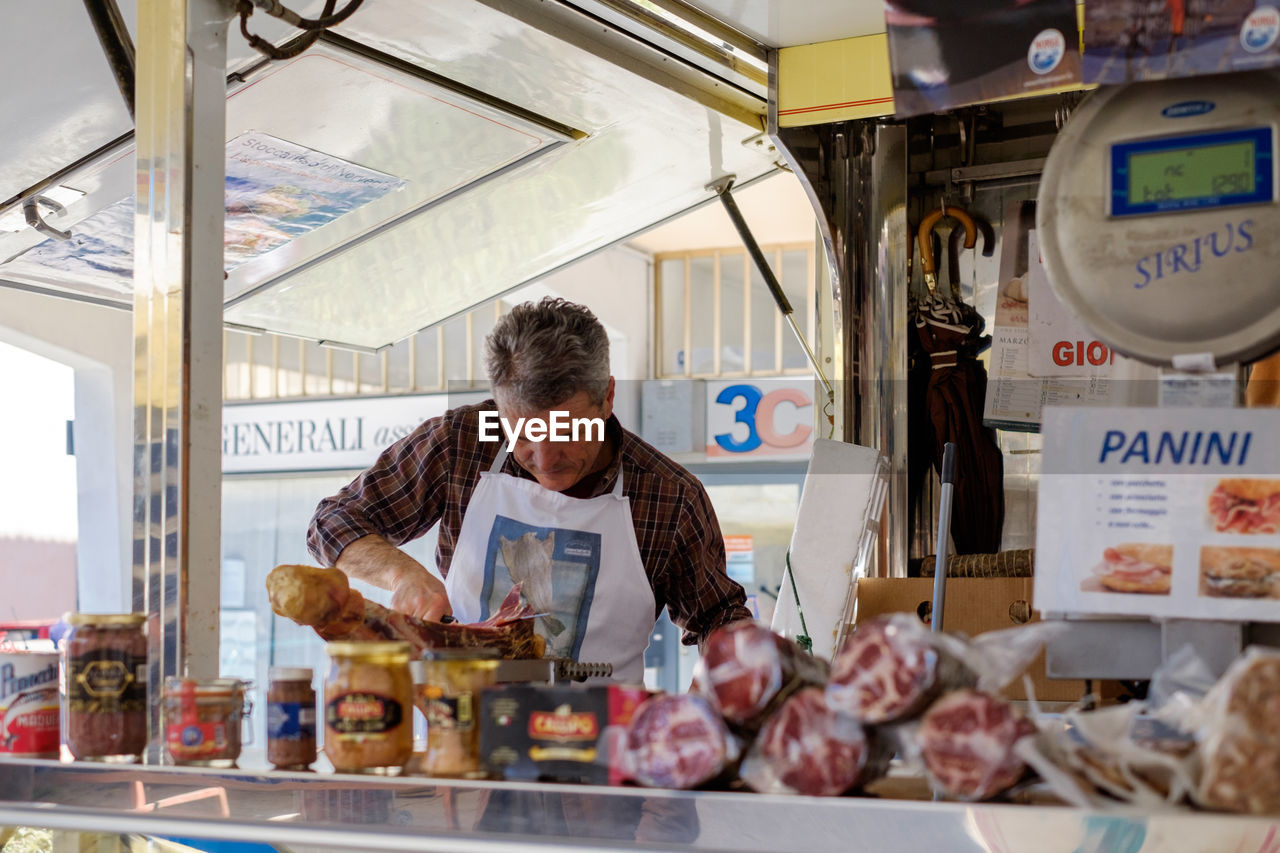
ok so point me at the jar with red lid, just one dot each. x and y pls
(106, 675)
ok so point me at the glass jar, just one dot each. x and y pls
(202, 720)
(106, 672)
(291, 718)
(447, 686)
(368, 701)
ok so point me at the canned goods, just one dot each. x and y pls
(29, 703)
(448, 683)
(202, 718)
(368, 707)
(106, 669)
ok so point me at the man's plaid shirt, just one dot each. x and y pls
(429, 475)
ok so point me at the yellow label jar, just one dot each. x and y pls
(368, 707)
(448, 683)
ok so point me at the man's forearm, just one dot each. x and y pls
(374, 560)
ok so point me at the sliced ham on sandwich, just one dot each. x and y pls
(1136, 568)
(1243, 505)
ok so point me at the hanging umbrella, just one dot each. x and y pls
(950, 332)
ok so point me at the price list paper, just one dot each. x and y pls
(1160, 512)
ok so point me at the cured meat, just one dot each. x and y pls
(1246, 506)
(1136, 567)
(888, 671)
(1240, 747)
(746, 670)
(323, 600)
(966, 740)
(808, 748)
(678, 741)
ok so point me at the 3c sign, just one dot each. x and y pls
(758, 412)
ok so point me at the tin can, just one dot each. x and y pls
(29, 714)
(202, 719)
(447, 686)
(368, 707)
(106, 670)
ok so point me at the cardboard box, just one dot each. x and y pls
(973, 606)
(556, 733)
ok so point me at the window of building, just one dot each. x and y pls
(717, 318)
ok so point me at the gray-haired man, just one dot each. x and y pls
(600, 529)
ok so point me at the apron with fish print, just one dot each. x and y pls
(576, 560)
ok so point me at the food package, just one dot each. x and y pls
(557, 733)
(1239, 736)
(967, 742)
(746, 671)
(808, 748)
(678, 741)
(890, 670)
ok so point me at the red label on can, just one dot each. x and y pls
(29, 718)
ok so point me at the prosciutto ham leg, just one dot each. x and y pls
(322, 599)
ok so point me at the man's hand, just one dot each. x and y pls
(414, 590)
(420, 594)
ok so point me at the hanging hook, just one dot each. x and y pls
(32, 214)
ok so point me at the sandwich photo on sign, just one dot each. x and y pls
(1133, 568)
(1239, 572)
(1245, 505)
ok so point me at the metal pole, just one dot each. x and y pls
(113, 34)
(178, 281)
(944, 527)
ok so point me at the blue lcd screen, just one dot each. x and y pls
(1194, 172)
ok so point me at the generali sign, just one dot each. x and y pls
(323, 435)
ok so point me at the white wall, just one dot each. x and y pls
(98, 343)
(616, 285)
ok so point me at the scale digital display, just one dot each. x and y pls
(1221, 169)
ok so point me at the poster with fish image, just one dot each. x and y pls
(1160, 512)
(1026, 47)
(557, 569)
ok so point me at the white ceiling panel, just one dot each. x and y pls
(788, 23)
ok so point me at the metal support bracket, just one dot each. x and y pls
(32, 214)
(722, 187)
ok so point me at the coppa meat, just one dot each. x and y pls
(746, 670)
(889, 671)
(966, 739)
(678, 741)
(322, 599)
(807, 748)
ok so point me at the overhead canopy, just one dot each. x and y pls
(427, 158)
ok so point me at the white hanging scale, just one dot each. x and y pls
(1158, 218)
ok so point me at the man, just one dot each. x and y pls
(601, 531)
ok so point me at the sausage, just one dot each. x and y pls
(678, 741)
(888, 671)
(966, 740)
(746, 671)
(808, 748)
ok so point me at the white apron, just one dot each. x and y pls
(577, 559)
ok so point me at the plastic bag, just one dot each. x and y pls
(1238, 729)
